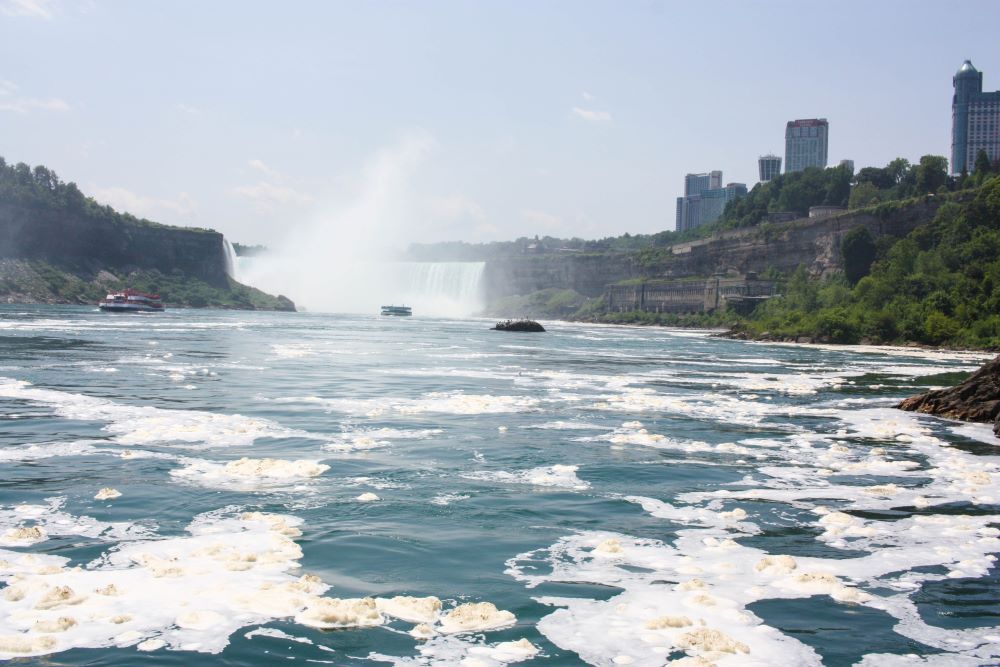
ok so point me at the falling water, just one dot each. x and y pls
(232, 262)
(439, 289)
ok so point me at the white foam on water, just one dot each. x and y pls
(693, 594)
(248, 474)
(50, 520)
(274, 633)
(710, 406)
(190, 592)
(454, 402)
(35, 452)
(293, 350)
(980, 432)
(379, 483)
(412, 609)
(450, 650)
(633, 433)
(373, 438)
(135, 425)
(443, 499)
(559, 476)
(891, 351)
(795, 384)
(560, 425)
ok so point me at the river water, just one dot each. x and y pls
(623, 496)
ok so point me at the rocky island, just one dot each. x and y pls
(519, 325)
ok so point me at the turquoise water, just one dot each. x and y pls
(628, 495)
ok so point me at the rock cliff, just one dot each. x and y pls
(977, 399)
(83, 243)
(811, 242)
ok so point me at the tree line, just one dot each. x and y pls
(938, 285)
(41, 188)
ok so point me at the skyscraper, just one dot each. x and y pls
(695, 183)
(806, 143)
(705, 199)
(975, 119)
(713, 202)
(769, 167)
(689, 206)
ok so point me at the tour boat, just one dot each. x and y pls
(402, 311)
(131, 301)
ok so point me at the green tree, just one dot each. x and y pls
(838, 186)
(930, 174)
(982, 168)
(864, 194)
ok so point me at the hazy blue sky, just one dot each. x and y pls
(505, 118)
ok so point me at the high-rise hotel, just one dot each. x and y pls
(806, 143)
(975, 120)
(705, 199)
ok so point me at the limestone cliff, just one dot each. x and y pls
(86, 243)
(810, 242)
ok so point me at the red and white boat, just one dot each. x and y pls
(131, 301)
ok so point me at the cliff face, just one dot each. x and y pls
(82, 243)
(811, 242)
(584, 273)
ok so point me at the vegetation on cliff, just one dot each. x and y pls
(792, 193)
(837, 186)
(551, 302)
(41, 188)
(59, 269)
(35, 281)
(939, 285)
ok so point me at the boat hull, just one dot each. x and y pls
(128, 308)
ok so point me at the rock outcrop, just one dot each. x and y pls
(977, 399)
(519, 325)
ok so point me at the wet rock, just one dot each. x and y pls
(519, 325)
(977, 399)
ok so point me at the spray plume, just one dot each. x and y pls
(341, 259)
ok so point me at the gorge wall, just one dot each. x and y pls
(84, 243)
(810, 242)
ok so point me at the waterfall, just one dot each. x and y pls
(232, 261)
(434, 289)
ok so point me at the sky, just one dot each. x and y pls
(499, 119)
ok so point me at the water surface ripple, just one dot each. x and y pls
(242, 488)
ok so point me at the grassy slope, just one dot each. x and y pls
(32, 281)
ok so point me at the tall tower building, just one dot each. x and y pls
(975, 119)
(769, 167)
(705, 199)
(806, 143)
(695, 183)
